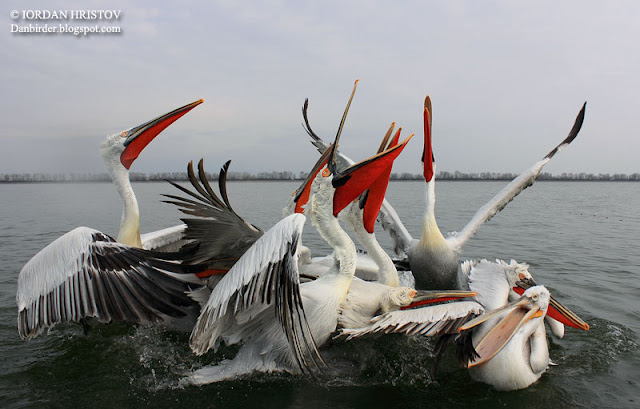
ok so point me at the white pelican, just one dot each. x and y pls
(518, 279)
(524, 356)
(260, 301)
(119, 151)
(87, 274)
(433, 260)
(513, 352)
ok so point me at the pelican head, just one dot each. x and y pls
(404, 298)
(120, 150)
(520, 279)
(523, 316)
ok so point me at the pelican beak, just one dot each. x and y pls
(556, 310)
(427, 154)
(301, 195)
(354, 180)
(521, 311)
(372, 199)
(426, 297)
(140, 136)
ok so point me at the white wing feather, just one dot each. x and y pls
(489, 281)
(428, 321)
(266, 276)
(86, 274)
(513, 189)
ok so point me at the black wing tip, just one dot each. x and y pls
(305, 125)
(577, 125)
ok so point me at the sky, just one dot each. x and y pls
(506, 80)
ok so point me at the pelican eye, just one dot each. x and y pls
(522, 276)
(123, 134)
(326, 172)
(534, 297)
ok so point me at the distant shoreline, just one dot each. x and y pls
(290, 176)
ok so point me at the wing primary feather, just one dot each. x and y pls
(196, 185)
(317, 141)
(187, 191)
(222, 184)
(577, 125)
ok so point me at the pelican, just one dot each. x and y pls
(87, 274)
(433, 259)
(525, 356)
(517, 279)
(119, 151)
(514, 363)
(512, 353)
(260, 301)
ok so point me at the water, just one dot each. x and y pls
(581, 240)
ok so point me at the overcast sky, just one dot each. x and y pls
(506, 78)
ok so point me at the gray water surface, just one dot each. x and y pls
(582, 240)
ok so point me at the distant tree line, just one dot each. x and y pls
(287, 175)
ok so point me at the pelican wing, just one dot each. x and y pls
(266, 276)
(223, 235)
(488, 279)
(169, 239)
(387, 216)
(513, 189)
(428, 321)
(86, 274)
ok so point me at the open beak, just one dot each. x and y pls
(426, 297)
(372, 199)
(301, 195)
(427, 154)
(140, 136)
(354, 180)
(351, 182)
(521, 311)
(556, 310)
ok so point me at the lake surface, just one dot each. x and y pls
(581, 239)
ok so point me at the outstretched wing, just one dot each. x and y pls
(513, 189)
(87, 274)
(265, 277)
(388, 217)
(428, 321)
(223, 235)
